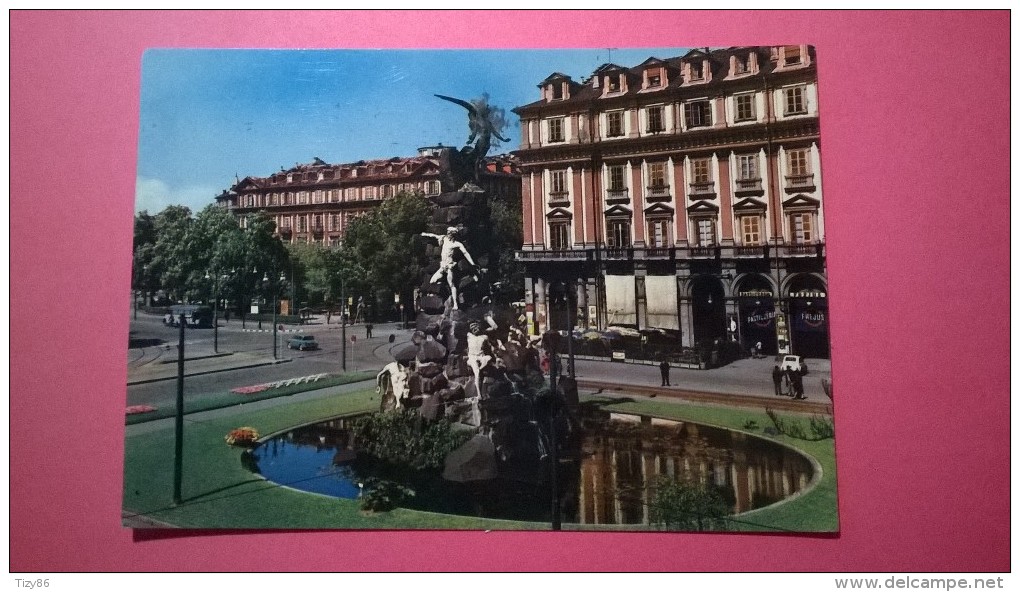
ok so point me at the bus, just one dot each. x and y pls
(195, 315)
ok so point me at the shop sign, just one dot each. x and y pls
(761, 317)
(811, 320)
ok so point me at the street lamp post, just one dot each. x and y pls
(179, 417)
(343, 325)
(216, 311)
(554, 455)
(276, 301)
(570, 330)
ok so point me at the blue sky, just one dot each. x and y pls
(207, 115)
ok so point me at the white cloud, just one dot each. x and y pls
(153, 195)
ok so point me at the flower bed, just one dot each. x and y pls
(134, 409)
(248, 390)
(244, 436)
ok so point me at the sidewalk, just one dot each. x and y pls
(746, 377)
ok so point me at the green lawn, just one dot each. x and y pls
(218, 492)
(229, 399)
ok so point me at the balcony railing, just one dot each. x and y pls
(616, 195)
(619, 253)
(703, 252)
(804, 250)
(659, 252)
(800, 182)
(749, 252)
(703, 190)
(318, 229)
(558, 197)
(748, 186)
(554, 255)
(658, 192)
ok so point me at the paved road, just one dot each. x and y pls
(246, 356)
(250, 361)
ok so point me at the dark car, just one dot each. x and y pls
(303, 342)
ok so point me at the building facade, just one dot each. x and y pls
(681, 194)
(314, 202)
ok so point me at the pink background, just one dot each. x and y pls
(915, 128)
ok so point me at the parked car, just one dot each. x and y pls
(795, 363)
(303, 342)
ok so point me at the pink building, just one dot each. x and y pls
(681, 194)
(314, 202)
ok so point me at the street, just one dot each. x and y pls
(246, 359)
(152, 356)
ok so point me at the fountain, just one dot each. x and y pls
(468, 361)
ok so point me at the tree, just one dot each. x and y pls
(383, 248)
(144, 278)
(170, 259)
(183, 255)
(507, 237)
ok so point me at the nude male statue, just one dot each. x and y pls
(448, 246)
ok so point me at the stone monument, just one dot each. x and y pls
(468, 361)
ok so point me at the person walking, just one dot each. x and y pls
(797, 384)
(777, 380)
(368, 331)
(664, 371)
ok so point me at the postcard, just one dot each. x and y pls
(480, 290)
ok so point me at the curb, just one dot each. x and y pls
(727, 399)
(203, 372)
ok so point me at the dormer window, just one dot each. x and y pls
(556, 87)
(613, 83)
(741, 64)
(290, 177)
(697, 70)
(791, 55)
(654, 80)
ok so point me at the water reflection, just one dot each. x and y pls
(609, 479)
(623, 459)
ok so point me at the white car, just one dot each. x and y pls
(795, 363)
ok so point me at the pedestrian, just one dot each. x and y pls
(757, 349)
(226, 316)
(797, 384)
(664, 370)
(777, 380)
(368, 330)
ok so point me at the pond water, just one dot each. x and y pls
(609, 480)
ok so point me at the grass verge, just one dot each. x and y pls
(220, 400)
(218, 492)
